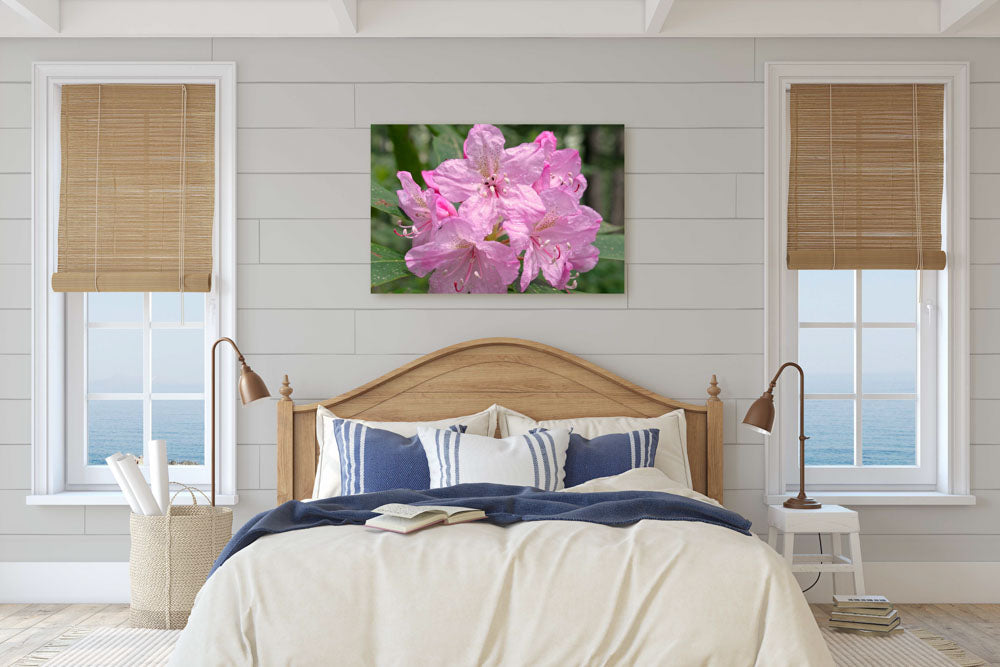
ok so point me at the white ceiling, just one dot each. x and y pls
(497, 18)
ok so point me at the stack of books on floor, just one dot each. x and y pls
(864, 613)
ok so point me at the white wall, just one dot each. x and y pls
(693, 111)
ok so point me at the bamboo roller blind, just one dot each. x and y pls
(137, 194)
(866, 176)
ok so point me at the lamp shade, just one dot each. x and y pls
(252, 387)
(760, 416)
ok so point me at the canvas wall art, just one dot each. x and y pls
(496, 209)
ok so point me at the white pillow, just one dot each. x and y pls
(535, 459)
(671, 452)
(327, 482)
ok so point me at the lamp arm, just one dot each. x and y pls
(239, 355)
(802, 394)
(242, 361)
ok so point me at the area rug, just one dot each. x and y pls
(100, 647)
(914, 648)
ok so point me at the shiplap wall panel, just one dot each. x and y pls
(296, 331)
(328, 60)
(15, 331)
(15, 150)
(61, 547)
(300, 150)
(15, 422)
(314, 241)
(638, 105)
(16, 282)
(695, 241)
(15, 195)
(986, 249)
(284, 105)
(15, 241)
(981, 52)
(713, 150)
(15, 369)
(15, 105)
(693, 111)
(15, 473)
(986, 422)
(248, 241)
(680, 195)
(705, 286)
(985, 376)
(16, 55)
(303, 195)
(583, 331)
(738, 373)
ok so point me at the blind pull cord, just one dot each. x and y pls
(180, 237)
(97, 183)
(833, 205)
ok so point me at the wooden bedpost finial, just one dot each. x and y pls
(713, 389)
(286, 390)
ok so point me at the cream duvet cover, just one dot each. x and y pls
(539, 593)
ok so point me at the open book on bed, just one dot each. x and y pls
(402, 518)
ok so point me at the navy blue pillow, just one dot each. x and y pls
(372, 459)
(609, 454)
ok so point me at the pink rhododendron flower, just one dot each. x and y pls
(565, 231)
(562, 167)
(520, 212)
(493, 183)
(463, 261)
(425, 208)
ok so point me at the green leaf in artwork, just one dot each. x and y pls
(385, 200)
(539, 288)
(387, 265)
(446, 146)
(612, 246)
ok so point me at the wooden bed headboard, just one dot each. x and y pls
(540, 381)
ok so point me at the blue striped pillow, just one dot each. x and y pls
(610, 454)
(372, 459)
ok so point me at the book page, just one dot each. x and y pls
(449, 510)
(406, 511)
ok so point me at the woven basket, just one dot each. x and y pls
(170, 559)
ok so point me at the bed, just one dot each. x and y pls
(545, 592)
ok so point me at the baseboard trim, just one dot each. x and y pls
(59, 582)
(914, 582)
(936, 582)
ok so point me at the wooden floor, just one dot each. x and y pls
(26, 627)
(974, 627)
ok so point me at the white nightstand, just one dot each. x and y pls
(832, 519)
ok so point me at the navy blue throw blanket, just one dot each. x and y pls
(502, 503)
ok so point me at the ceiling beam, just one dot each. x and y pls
(347, 14)
(656, 15)
(44, 13)
(958, 14)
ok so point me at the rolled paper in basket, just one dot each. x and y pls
(147, 503)
(122, 483)
(158, 474)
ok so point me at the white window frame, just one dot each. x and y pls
(49, 335)
(921, 476)
(949, 305)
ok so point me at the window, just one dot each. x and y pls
(885, 352)
(114, 369)
(138, 373)
(862, 338)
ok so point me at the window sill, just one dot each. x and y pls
(112, 498)
(855, 498)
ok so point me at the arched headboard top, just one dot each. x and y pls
(541, 381)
